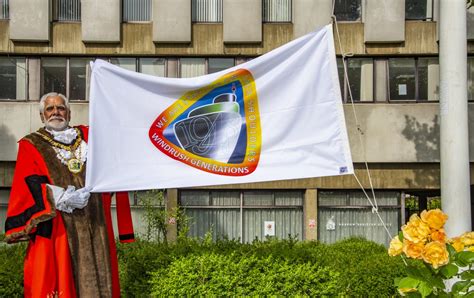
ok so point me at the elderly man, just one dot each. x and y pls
(71, 248)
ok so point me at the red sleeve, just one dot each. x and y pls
(28, 205)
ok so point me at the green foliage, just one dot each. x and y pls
(354, 267)
(365, 267)
(189, 267)
(229, 275)
(434, 203)
(11, 269)
(155, 215)
(157, 218)
(136, 261)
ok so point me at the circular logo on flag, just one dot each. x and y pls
(215, 128)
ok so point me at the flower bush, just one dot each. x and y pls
(423, 238)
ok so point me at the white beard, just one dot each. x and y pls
(56, 123)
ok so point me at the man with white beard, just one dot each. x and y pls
(71, 251)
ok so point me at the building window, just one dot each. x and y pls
(344, 214)
(276, 11)
(413, 79)
(470, 78)
(4, 195)
(79, 71)
(126, 63)
(419, 9)
(4, 9)
(246, 215)
(67, 10)
(153, 66)
(348, 10)
(136, 10)
(65, 75)
(12, 78)
(53, 75)
(218, 64)
(360, 74)
(194, 67)
(206, 11)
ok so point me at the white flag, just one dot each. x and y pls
(278, 116)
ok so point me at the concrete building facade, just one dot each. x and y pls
(45, 45)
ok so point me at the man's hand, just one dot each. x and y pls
(79, 198)
(70, 199)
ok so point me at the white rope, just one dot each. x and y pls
(374, 208)
(360, 132)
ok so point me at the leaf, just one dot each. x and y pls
(467, 275)
(415, 273)
(466, 257)
(452, 251)
(426, 271)
(400, 236)
(460, 286)
(443, 294)
(449, 270)
(408, 282)
(469, 295)
(424, 289)
(437, 281)
(413, 295)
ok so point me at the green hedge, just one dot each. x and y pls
(353, 267)
(229, 275)
(11, 269)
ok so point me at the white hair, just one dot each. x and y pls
(52, 94)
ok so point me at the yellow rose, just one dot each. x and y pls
(470, 248)
(416, 230)
(396, 247)
(457, 243)
(438, 235)
(434, 218)
(468, 238)
(413, 250)
(436, 254)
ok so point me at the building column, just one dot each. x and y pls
(171, 203)
(310, 208)
(454, 137)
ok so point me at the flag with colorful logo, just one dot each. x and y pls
(276, 117)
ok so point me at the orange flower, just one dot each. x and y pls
(396, 247)
(434, 218)
(457, 243)
(416, 230)
(436, 254)
(468, 238)
(413, 250)
(438, 235)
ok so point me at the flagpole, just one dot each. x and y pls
(454, 138)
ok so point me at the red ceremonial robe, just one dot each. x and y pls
(68, 255)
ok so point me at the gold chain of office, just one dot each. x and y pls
(73, 163)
